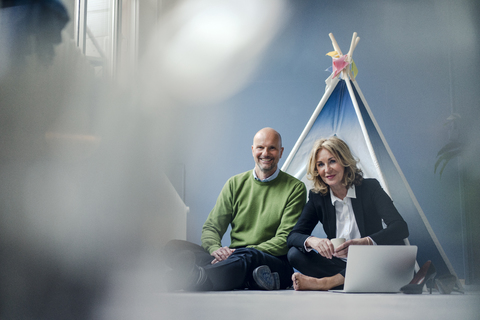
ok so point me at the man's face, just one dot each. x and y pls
(266, 151)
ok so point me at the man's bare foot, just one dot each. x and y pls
(302, 282)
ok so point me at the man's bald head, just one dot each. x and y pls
(268, 131)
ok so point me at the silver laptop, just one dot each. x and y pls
(379, 269)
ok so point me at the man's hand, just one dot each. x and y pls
(221, 254)
(324, 247)
(342, 250)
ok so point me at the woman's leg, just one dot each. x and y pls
(318, 273)
(302, 282)
(314, 265)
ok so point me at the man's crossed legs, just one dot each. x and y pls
(191, 269)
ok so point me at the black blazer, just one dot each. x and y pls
(372, 204)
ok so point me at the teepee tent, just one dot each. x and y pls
(344, 112)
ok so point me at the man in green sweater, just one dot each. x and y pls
(261, 206)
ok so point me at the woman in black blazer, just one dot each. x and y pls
(349, 207)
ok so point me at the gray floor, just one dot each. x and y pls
(296, 305)
(139, 293)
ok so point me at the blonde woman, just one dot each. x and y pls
(348, 206)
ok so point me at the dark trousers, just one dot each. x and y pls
(236, 271)
(314, 265)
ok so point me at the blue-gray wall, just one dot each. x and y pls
(417, 62)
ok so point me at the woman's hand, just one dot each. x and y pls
(342, 250)
(324, 247)
(221, 254)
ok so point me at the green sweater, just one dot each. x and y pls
(261, 214)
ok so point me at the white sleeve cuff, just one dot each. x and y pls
(305, 245)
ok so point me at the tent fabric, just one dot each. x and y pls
(352, 121)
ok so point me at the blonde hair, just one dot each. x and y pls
(340, 150)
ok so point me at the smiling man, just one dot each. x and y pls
(267, 150)
(261, 206)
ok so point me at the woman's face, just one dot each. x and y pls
(329, 169)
